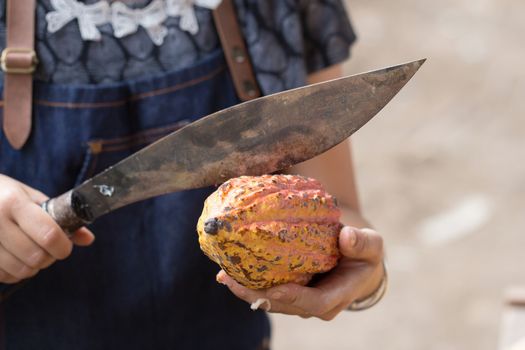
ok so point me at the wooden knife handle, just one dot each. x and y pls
(61, 210)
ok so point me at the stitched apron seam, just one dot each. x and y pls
(132, 98)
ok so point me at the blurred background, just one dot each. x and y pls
(441, 172)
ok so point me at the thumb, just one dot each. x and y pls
(83, 237)
(361, 244)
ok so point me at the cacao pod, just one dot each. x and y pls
(272, 229)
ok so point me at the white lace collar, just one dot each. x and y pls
(124, 20)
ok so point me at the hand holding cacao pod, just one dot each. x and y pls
(270, 230)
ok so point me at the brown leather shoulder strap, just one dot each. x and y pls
(18, 61)
(235, 51)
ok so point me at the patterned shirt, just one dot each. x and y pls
(287, 39)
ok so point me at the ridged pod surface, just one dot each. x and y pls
(272, 229)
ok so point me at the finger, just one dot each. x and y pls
(284, 299)
(35, 195)
(361, 244)
(7, 278)
(43, 230)
(16, 186)
(311, 301)
(251, 296)
(83, 237)
(246, 294)
(14, 266)
(20, 245)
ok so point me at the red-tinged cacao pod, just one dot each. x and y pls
(272, 229)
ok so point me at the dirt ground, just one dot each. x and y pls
(441, 174)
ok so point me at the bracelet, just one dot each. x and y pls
(372, 299)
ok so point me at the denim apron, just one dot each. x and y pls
(144, 283)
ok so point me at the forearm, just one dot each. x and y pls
(351, 217)
(334, 168)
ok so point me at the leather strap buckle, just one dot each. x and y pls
(18, 61)
(235, 50)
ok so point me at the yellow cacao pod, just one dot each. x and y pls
(272, 229)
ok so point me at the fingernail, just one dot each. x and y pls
(220, 278)
(352, 236)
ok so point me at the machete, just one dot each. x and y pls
(257, 137)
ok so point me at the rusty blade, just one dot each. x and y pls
(253, 138)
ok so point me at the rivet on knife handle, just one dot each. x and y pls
(61, 210)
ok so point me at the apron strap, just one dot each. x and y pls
(235, 51)
(18, 61)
